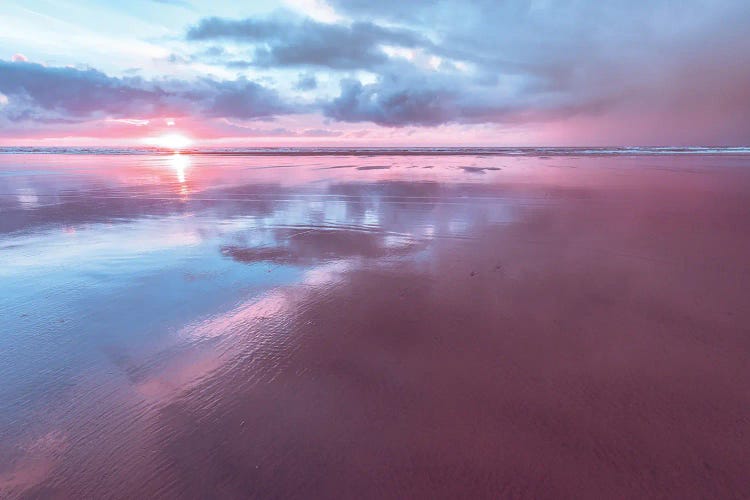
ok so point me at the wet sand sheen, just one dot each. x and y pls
(531, 332)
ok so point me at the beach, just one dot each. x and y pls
(559, 324)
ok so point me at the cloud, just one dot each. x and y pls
(292, 41)
(306, 82)
(77, 93)
(19, 58)
(131, 121)
(240, 98)
(251, 130)
(600, 72)
(391, 105)
(404, 95)
(53, 93)
(651, 72)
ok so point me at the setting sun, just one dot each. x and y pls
(169, 141)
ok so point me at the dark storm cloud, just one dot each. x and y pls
(290, 41)
(40, 93)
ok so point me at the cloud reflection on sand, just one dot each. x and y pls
(113, 265)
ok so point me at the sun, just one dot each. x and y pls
(169, 141)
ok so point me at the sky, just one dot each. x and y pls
(376, 73)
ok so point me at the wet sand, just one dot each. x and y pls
(355, 327)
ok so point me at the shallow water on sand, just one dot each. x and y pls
(377, 326)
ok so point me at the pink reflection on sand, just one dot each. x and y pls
(37, 460)
(181, 374)
(243, 331)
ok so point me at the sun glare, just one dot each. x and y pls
(169, 141)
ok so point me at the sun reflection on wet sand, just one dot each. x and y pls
(180, 163)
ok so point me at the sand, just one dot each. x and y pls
(486, 328)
